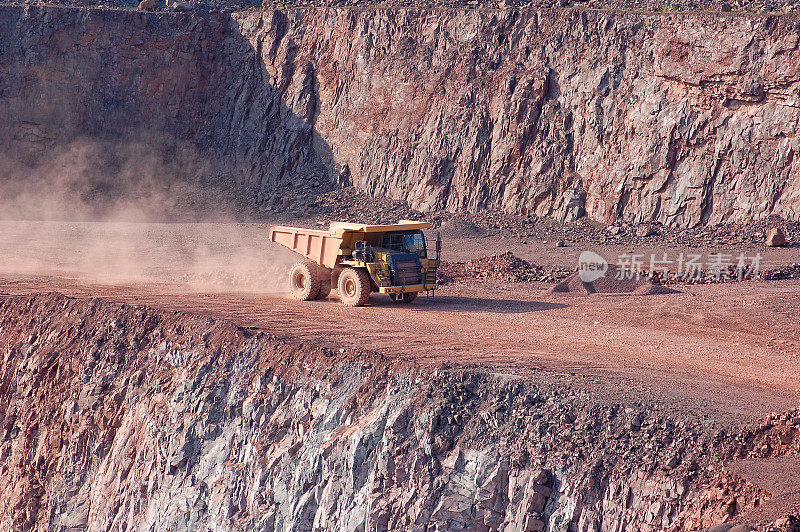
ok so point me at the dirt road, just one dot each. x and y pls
(729, 352)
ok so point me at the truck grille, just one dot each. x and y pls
(407, 270)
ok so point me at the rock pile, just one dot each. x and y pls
(791, 271)
(508, 268)
(615, 281)
(502, 267)
(746, 236)
(729, 274)
(350, 204)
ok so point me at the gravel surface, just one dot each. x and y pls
(729, 350)
(742, 337)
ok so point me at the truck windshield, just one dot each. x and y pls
(408, 241)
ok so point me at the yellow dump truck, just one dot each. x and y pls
(359, 259)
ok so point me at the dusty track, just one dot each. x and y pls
(728, 352)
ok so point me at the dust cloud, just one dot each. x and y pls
(129, 213)
(156, 179)
(205, 257)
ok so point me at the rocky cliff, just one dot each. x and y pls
(127, 418)
(683, 119)
(110, 110)
(680, 119)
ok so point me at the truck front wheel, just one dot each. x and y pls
(354, 287)
(304, 280)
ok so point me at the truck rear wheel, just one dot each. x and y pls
(304, 280)
(408, 297)
(354, 287)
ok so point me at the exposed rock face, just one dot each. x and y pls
(115, 417)
(679, 119)
(149, 108)
(682, 119)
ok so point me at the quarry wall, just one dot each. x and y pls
(120, 417)
(684, 119)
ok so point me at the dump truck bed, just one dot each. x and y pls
(320, 246)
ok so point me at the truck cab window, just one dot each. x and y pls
(393, 241)
(407, 241)
(415, 243)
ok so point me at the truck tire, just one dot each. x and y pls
(408, 297)
(304, 280)
(354, 287)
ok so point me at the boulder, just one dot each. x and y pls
(645, 230)
(178, 6)
(147, 5)
(776, 237)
